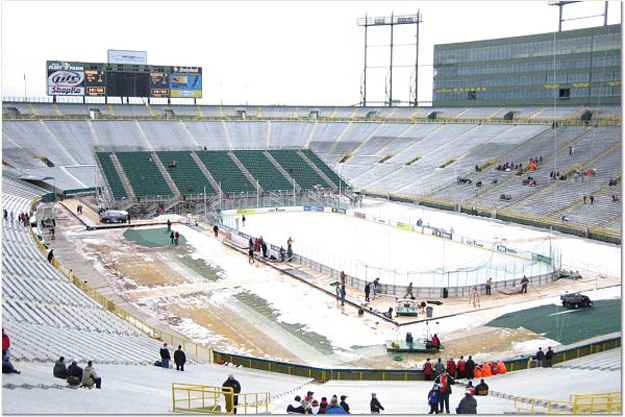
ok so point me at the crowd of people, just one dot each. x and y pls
(462, 369)
(310, 405)
(77, 376)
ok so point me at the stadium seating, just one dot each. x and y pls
(44, 313)
(298, 169)
(225, 172)
(324, 168)
(263, 170)
(111, 175)
(145, 178)
(188, 177)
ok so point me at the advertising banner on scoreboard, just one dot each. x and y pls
(65, 79)
(185, 85)
(117, 56)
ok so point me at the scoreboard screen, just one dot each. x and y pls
(122, 80)
(128, 84)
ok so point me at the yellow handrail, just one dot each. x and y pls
(208, 399)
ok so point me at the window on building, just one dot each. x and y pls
(471, 95)
(564, 93)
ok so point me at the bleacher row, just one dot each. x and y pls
(302, 112)
(382, 158)
(146, 180)
(44, 313)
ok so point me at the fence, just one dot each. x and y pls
(191, 398)
(604, 403)
(190, 347)
(325, 374)
(539, 268)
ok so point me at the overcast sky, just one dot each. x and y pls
(264, 52)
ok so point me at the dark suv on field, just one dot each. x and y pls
(575, 300)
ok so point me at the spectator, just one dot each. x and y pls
(501, 367)
(165, 356)
(471, 388)
(375, 404)
(60, 370)
(315, 407)
(585, 199)
(488, 286)
(469, 368)
(307, 402)
(344, 404)
(180, 358)
(74, 374)
(216, 230)
(467, 405)
(615, 198)
(296, 406)
(548, 357)
(51, 255)
(427, 370)
(323, 405)
(486, 371)
(439, 368)
(433, 399)
(168, 225)
(481, 388)
(7, 366)
(335, 408)
(451, 367)
(6, 343)
(343, 300)
(460, 368)
(263, 246)
(90, 378)
(540, 356)
(445, 382)
(409, 338)
(367, 291)
(592, 199)
(389, 313)
(236, 388)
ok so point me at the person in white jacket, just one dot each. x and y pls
(90, 377)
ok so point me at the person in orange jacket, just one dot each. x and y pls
(477, 372)
(501, 367)
(486, 370)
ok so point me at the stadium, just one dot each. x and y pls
(311, 251)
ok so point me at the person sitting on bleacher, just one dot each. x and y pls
(481, 388)
(7, 366)
(74, 374)
(60, 370)
(90, 378)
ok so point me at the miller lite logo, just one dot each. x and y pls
(66, 78)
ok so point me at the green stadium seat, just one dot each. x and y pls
(145, 178)
(263, 170)
(225, 172)
(188, 177)
(109, 171)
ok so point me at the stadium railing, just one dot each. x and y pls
(188, 346)
(191, 398)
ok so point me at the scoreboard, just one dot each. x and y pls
(122, 80)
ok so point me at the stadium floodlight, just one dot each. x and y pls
(392, 20)
(562, 3)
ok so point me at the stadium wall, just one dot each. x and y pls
(326, 374)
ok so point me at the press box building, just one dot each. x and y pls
(575, 67)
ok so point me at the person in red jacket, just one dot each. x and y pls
(6, 343)
(436, 343)
(460, 367)
(427, 370)
(451, 368)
